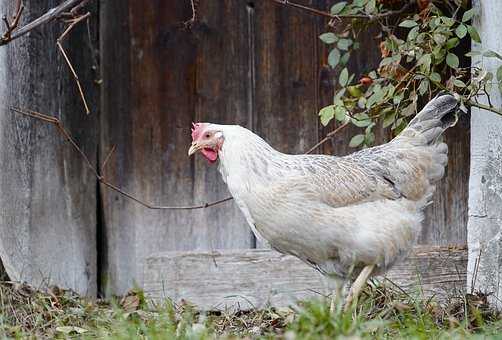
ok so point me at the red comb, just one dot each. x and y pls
(197, 129)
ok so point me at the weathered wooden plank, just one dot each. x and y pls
(485, 185)
(224, 88)
(167, 77)
(286, 59)
(47, 194)
(246, 279)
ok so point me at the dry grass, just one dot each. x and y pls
(383, 312)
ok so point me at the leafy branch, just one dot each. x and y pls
(420, 45)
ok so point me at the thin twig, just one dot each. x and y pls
(344, 16)
(108, 157)
(73, 23)
(50, 15)
(484, 107)
(15, 21)
(328, 137)
(191, 21)
(57, 123)
(100, 175)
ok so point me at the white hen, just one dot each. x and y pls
(352, 215)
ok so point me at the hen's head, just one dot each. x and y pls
(208, 139)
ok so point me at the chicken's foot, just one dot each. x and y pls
(358, 285)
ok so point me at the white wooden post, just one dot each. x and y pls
(485, 185)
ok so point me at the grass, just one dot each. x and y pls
(382, 313)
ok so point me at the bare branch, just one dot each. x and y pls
(328, 137)
(50, 15)
(73, 23)
(100, 176)
(108, 157)
(15, 21)
(315, 11)
(191, 21)
(484, 107)
(57, 123)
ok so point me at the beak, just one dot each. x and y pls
(193, 148)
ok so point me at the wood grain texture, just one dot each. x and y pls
(167, 77)
(257, 278)
(47, 194)
(286, 59)
(485, 185)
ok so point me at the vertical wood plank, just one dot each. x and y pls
(287, 77)
(287, 59)
(47, 194)
(169, 76)
(223, 88)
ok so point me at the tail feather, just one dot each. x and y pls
(430, 123)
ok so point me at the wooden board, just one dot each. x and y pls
(286, 60)
(257, 278)
(164, 77)
(47, 194)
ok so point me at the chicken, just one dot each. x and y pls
(351, 216)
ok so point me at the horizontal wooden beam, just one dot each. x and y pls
(255, 278)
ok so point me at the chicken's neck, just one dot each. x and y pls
(247, 160)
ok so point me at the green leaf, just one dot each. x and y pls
(327, 113)
(359, 3)
(341, 114)
(425, 60)
(370, 6)
(492, 54)
(344, 44)
(361, 120)
(472, 54)
(334, 57)
(461, 31)
(448, 21)
(337, 8)
(328, 38)
(345, 58)
(423, 87)
(369, 138)
(408, 24)
(452, 60)
(473, 33)
(389, 119)
(468, 15)
(398, 98)
(451, 43)
(344, 77)
(413, 33)
(356, 141)
(439, 38)
(459, 83)
(409, 110)
(435, 77)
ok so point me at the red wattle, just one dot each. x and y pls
(210, 154)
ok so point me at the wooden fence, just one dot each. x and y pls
(252, 63)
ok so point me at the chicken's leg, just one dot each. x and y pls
(336, 294)
(358, 285)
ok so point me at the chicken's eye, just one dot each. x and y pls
(208, 135)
